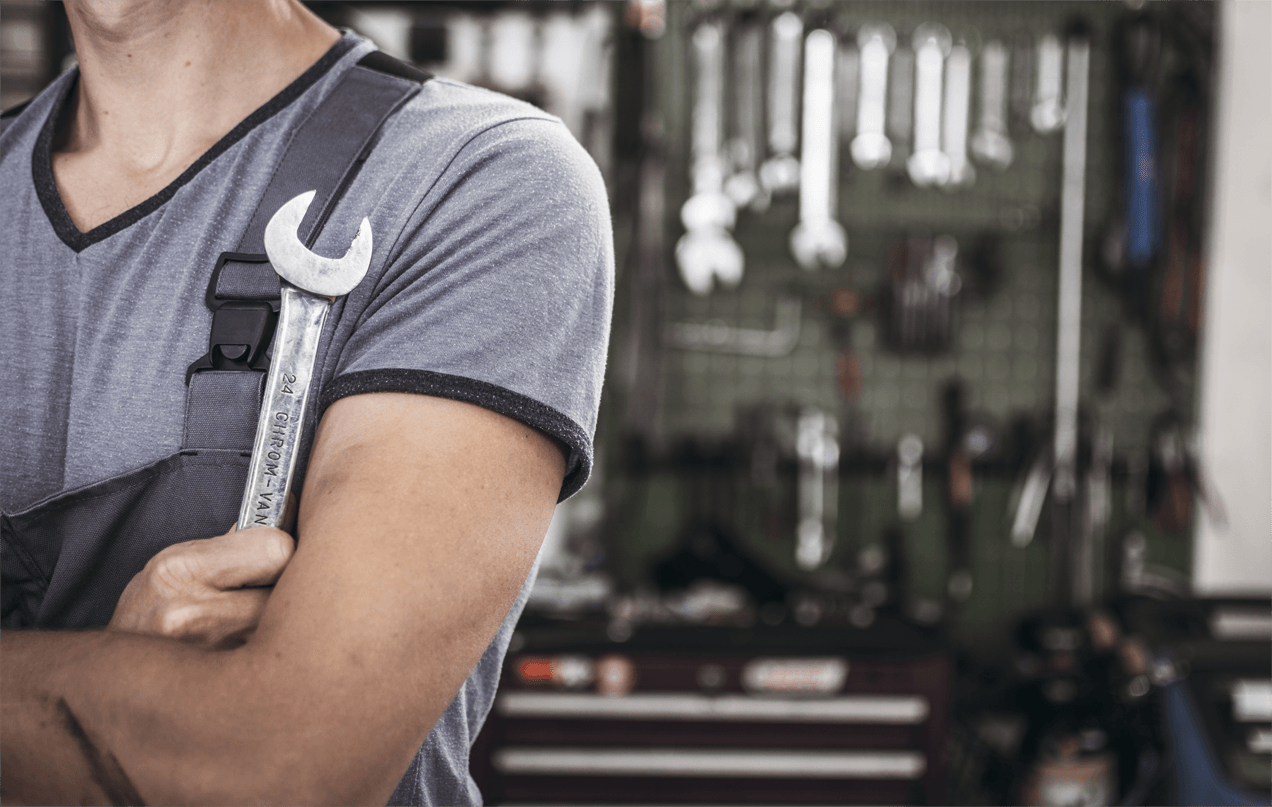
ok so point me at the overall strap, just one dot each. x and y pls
(225, 385)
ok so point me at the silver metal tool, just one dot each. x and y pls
(1028, 498)
(817, 446)
(901, 105)
(1047, 112)
(958, 102)
(818, 240)
(910, 477)
(747, 144)
(1059, 470)
(990, 143)
(716, 337)
(780, 172)
(310, 284)
(707, 251)
(929, 165)
(871, 147)
(1069, 310)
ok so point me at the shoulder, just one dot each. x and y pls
(458, 161)
(457, 129)
(26, 119)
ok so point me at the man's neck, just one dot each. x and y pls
(161, 81)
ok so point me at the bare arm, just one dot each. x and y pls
(420, 520)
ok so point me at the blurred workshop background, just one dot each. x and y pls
(934, 457)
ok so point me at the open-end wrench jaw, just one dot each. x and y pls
(295, 263)
(310, 284)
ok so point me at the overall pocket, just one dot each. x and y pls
(66, 560)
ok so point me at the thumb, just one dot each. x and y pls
(240, 558)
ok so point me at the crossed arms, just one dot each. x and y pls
(420, 520)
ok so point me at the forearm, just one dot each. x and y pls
(368, 634)
(106, 717)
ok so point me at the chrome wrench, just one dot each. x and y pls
(817, 447)
(871, 147)
(958, 95)
(310, 284)
(779, 174)
(990, 143)
(707, 252)
(747, 145)
(1048, 110)
(929, 165)
(818, 240)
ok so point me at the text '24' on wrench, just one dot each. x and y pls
(310, 284)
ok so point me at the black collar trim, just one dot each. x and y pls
(42, 159)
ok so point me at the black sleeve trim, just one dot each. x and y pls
(488, 396)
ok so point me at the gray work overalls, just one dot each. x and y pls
(65, 561)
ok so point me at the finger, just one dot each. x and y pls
(254, 557)
(212, 620)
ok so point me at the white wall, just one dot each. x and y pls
(1236, 403)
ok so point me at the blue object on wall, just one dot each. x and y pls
(1143, 228)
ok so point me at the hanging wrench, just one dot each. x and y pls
(780, 172)
(310, 285)
(929, 165)
(900, 105)
(1047, 112)
(817, 447)
(707, 252)
(990, 143)
(871, 147)
(818, 240)
(747, 145)
(958, 96)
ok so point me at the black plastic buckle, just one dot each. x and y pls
(241, 329)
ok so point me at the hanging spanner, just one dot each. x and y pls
(310, 284)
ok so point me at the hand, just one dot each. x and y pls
(210, 592)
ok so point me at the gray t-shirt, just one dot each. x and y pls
(491, 283)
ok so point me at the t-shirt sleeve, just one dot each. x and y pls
(499, 290)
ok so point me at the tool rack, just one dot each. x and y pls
(679, 422)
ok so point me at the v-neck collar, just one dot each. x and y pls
(42, 158)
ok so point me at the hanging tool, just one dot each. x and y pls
(779, 174)
(1047, 112)
(743, 185)
(910, 477)
(1020, 92)
(716, 337)
(310, 284)
(901, 106)
(1059, 470)
(1141, 46)
(924, 286)
(818, 240)
(871, 147)
(1069, 310)
(955, 117)
(990, 143)
(707, 253)
(929, 165)
(817, 448)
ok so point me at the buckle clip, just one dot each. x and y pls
(241, 328)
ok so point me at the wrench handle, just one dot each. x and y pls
(278, 429)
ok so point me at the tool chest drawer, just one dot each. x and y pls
(713, 727)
